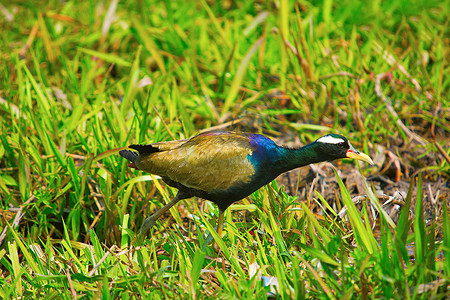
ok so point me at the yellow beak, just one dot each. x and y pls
(355, 154)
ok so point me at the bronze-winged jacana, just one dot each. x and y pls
(225, 167)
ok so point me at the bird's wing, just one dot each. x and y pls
(164, 146)
(207, 162)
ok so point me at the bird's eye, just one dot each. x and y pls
(343, 145)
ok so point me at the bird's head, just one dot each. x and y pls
(337, 146)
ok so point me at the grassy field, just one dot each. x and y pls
(80, 78)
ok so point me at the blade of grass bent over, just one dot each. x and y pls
(363, 236)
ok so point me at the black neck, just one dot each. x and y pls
(295, 158)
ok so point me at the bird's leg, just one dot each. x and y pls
(219, 230)
(150, 221)
(220, 223)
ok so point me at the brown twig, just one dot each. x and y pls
(392, 111)
(17, 219)
(442, 151)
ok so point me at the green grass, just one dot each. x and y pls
(76, 82)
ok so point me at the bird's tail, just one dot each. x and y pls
(130, 155)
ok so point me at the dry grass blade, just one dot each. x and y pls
(392, 111)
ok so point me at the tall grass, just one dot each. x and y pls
(80, 80)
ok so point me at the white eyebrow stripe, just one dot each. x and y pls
(328, 139)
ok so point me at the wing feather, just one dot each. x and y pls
(205, 162)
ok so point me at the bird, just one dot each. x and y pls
(227, 166)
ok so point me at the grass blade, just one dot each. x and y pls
(197, 265)
(364, 237)
(111, 58)
(419, 224)
(446, 244)
(239, 76)
(404, 224)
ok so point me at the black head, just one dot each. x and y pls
(335, 146)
